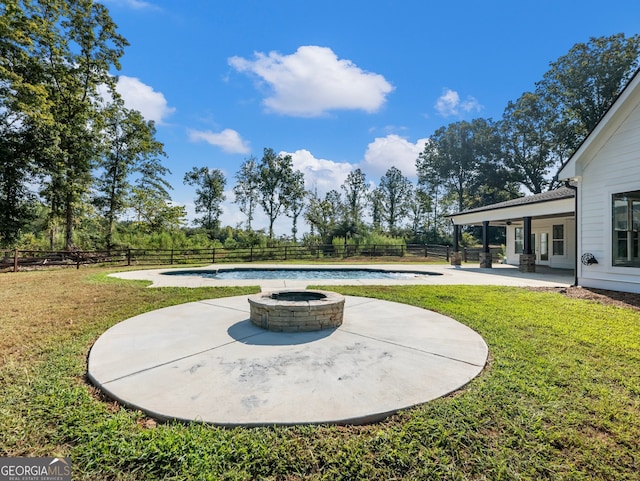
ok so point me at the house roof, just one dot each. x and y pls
(559, 193)
(619, 110)
(547, 204)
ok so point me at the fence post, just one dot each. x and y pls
(426, 250)
(464, 250)
(447, 253)
(128, 256)
(213, 255)
(15, 261)
(171, 258)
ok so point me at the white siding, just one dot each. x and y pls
(613, 169)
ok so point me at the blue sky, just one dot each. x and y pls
(339, 85)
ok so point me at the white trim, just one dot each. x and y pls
(539, 209)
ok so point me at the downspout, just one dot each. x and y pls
(575, 230)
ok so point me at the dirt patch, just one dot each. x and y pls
(602, 296)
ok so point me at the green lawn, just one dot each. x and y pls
(559, 399)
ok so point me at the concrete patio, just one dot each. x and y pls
(205, 361)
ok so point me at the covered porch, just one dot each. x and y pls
(539, 230)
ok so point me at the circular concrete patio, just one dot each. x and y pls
(205, 361)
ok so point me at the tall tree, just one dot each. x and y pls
(150, 200)
(419, 207)
(376, 205)
(209, 185)
(356, 194)
(323, 214)
(129, 146)
(77, 49)
(24, 113)
(429, 180)
(495, 181)
(296, 200)
(246, 189)
(459, 158)
(527, 142)
(154, 212)
(395, 190)
(275, 173)
(581, 85)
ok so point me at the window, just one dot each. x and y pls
(558, 240)
(519, 240)
(626, 219)
(544, 246)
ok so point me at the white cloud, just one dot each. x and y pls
(133, 4)
(141, 97)
(449, 104)
(392, 151)
(320, 174)
(313, 81)
(228, 140)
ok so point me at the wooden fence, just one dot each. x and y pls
(16, 260)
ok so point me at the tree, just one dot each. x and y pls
(209, 185)
(429, 183)
(527, 142)
(275, 176)
(296, 200)
(323, 214)
(494, 181)
(459, 158)
(419, 206)
(17, 202)
(129, 145)
(246, 189)
(356, 194)
(154, 212)
(24, 112)
(448, 160)
(76, 46)
(395, 190)
(150, 199)
(375, 201)
(581, 85)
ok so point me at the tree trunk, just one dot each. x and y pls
(68, 230)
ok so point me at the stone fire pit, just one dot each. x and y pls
(297, 310)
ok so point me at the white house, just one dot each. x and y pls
(606, 171)
(592, 223)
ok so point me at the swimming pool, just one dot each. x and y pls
(296, 273)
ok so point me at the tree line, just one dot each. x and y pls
(75, 159)
(463, 165)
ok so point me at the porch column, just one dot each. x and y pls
(485, 255)
(528, 257)
(456, 257)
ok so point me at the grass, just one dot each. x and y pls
(559, 400)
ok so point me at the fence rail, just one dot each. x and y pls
(24, 259)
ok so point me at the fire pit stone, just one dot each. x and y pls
(297, 310)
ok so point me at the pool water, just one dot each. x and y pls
(255, 274)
